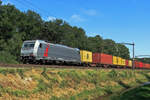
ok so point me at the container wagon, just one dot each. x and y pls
(103, 60)
(129, 63)
(86, 56)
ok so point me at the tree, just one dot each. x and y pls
(123, 51)
(95, 44)
(52, 31)
(109, 47)
(0, 2)
(29, 26)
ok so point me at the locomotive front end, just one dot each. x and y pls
(27, 52)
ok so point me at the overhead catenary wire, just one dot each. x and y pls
(34, 7)
(42, 10)
(24, 4)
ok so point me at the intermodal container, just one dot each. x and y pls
(96, 58)
(148, 66)
(119, 61)
(86, 56)
(106, 59)
(130, 63)
(140, 65)
(115, 60)
(136, 64)
(145, 65)
(127, 63)
(123, 62)
(102, 58)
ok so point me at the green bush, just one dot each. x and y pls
(6, 57)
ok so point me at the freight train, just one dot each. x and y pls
(42, 52)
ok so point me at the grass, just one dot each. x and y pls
(42, 87)
(6, 71)
(140, 93)
(20, 72)
(64, 84)
(67, 84)
(113, 74)
(17, 93)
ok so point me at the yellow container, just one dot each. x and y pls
(130, 63)
(115, 61)
(86, 56)
(123, 62)
(119, 61)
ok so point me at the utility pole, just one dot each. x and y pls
(133, 44)
(133, 56)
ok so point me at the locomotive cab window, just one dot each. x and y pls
(25, 45)
(29, 45)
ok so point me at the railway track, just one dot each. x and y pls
(40, 66)
(2, 65)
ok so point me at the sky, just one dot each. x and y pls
(125, 21)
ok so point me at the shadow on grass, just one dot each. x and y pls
(147, 76)
(138, 81)
(139, 93)
(123, 85)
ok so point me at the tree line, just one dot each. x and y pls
(17, 26)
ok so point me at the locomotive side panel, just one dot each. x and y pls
(40, 51)
(56, 52)
(61, 53)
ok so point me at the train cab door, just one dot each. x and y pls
(40, 50)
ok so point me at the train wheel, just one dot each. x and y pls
(24, 62)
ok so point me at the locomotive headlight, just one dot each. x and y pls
(31, 54)
(22, 54)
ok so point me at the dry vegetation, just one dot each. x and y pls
(66, 84)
